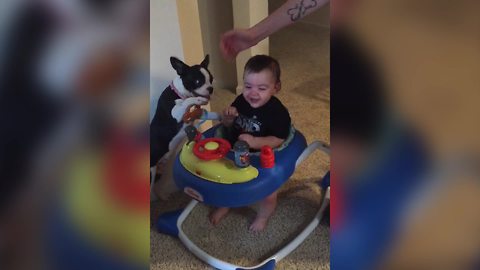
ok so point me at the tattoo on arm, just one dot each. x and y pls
(299, 10)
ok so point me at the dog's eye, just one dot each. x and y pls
(197, 82)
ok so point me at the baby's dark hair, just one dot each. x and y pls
(260, 62)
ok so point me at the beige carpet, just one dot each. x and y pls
(303, 53)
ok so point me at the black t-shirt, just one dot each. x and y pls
(272, 119)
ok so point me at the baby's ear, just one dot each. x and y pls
(278, 86)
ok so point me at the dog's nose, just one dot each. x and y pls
(210, 89)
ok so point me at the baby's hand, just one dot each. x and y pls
(228, 115)
(247, 137)
(230, 112)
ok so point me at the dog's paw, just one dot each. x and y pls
(200, 100)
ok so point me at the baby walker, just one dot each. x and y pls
(209, 170)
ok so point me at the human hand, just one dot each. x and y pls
(235, 41)
(228, 115)
(247, 138)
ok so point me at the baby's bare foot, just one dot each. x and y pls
(258, 224)
(217, 215)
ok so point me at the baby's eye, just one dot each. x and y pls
(263, 89)
(248, 86)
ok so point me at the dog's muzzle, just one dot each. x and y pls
(210, 91)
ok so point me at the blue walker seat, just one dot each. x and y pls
(369, 227)
(287, 158)
(242, 194)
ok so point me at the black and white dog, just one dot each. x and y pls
(192, 86)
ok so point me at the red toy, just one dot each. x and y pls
(200, 150)
(267, 157)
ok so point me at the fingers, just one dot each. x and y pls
(227, 52)
(228, 115)
(247, 138)
(228, 112)
(227, 45)
(231, 112)
(244, 137)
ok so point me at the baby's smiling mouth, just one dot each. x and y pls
(254, 100)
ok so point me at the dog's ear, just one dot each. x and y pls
(178, 65)
(205, 62)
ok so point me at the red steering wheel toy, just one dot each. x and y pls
(216, 148)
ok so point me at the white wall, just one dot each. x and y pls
(165, 41)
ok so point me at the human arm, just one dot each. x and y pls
(258, 142)
(237, 40)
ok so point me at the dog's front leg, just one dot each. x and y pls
(181, 106)
(181, 135)
(166, 185)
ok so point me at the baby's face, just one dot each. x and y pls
(259, 87)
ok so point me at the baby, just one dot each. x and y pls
(258, 118)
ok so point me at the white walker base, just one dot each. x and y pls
(171, 223)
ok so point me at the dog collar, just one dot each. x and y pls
(176, 91)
